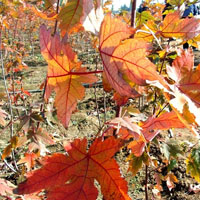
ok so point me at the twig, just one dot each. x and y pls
(8, 165)
(163, 63)
(95, 94)
(146, 183)
(154, 36)
(9, 101)
(133, 12)
(42, 104)
(162, 109)
(104, 105)
(56, 23)
(6, 89)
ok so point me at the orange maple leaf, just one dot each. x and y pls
(165, 121)
(124, 59)
(28, 159)
(183, 64)
(186, 88)
(72, 176)
(190, 85)
(42, 15)
(171, 26)
(65, 74)
(151, 127)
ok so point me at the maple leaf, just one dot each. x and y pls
(137, 146)
(124, 59)
(42, 15)
(183, 95)
(135, 163)
(92, 16)
(13, 144)
(143, 17)
(39, 140)
(190, 85)
(29, 160)
(171, 179)
(127, 124)
(65, 74)
(176, 2)
(151, 127)
(70, 15)
(186, 89)
(171, 26)
(183, 64)
(171, 149)
(72, 176)
(165, 121)
(193, 163)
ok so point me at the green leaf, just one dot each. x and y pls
(171, 149)
(135, 163)
(176, 2)
(171, 165)
(143, 17)
(193, 164)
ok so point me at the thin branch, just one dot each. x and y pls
(146, 183)
(133, 13)
(6, 89)
(9, 102)
(56, 23)
(95, 94)
(154, 36)
(104, 105)
(8, 165)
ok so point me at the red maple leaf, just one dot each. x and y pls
(72, 176)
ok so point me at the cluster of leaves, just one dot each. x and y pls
(137, 62)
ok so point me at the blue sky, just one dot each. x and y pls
(118, 3)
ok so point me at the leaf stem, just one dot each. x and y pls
(163, 63)
(56, 23)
